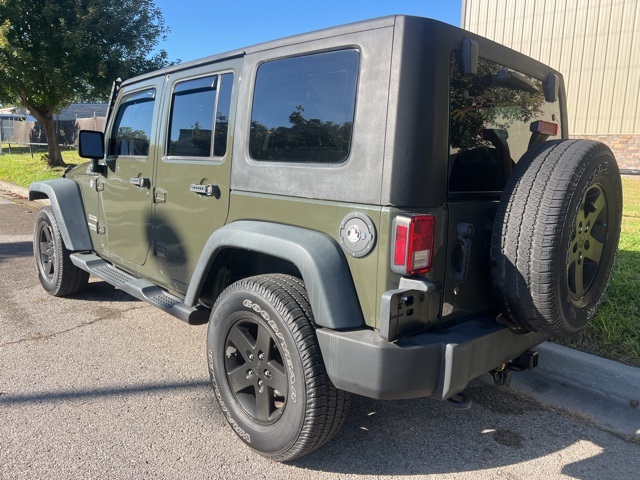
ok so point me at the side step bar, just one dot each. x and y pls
(141, 289)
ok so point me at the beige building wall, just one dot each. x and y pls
(596, 46)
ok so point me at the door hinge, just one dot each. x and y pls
(159, 195)
(100, 229)
(96, 184)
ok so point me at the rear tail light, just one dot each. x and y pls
(412, 244)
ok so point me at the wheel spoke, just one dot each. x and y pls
(264, 402)
(47, 266)
(573, 250)
(278, 380)
(596, 208)
(47, 234)
(239, 379)
(241, 340)
(579, 278)
(581, 219)
(594, 252)
(44, 246)
(263, 342)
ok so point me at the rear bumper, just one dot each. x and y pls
(436, 364)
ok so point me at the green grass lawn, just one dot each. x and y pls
(615, 331)
(21, 169)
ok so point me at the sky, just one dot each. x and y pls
(200, 28)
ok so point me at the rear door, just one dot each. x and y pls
(493, 119)
(193, 172)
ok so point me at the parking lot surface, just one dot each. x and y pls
(100, 385)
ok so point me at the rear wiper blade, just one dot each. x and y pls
(505, 78)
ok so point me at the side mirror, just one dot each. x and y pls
(91, 145)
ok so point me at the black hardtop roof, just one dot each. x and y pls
(435, 29)
(361, 26)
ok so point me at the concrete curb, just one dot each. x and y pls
(611, 379)
(606, 391)
(20, 191)
(15, 189)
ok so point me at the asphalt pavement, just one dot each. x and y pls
(100, 385)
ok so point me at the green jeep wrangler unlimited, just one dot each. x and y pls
(390, 208)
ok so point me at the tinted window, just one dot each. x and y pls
(132, 128)
(303, 108)
(192, 110)
(192, 126)
(222, 115)
(492, 115)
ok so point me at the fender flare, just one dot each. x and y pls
(66, 202)
(317, 256)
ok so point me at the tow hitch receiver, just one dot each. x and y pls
(502, 375)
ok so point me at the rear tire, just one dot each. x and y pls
(556, 235)
(267, 370)
(57, 274)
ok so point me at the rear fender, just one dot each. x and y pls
(317, 256)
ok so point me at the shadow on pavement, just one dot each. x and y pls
(15, 249)
(73, 395)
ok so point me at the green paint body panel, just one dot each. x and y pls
(322, 217)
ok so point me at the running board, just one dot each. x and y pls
(140, 288)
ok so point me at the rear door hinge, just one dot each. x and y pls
(159, 195)
(96, 184)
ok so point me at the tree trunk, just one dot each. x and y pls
(55, 156)
(45, 117)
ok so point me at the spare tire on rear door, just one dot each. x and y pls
(556, 235)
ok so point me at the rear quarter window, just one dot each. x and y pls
(303, 108)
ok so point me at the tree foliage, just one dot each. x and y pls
(53, 52)
(310, 140)
(477, 103)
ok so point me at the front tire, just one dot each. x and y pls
(57, 274)
(267, 370)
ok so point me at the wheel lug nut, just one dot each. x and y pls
(267, 374)
(250, 356)
(250, 374)
(261, 356)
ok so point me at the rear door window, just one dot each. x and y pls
(200, 117)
